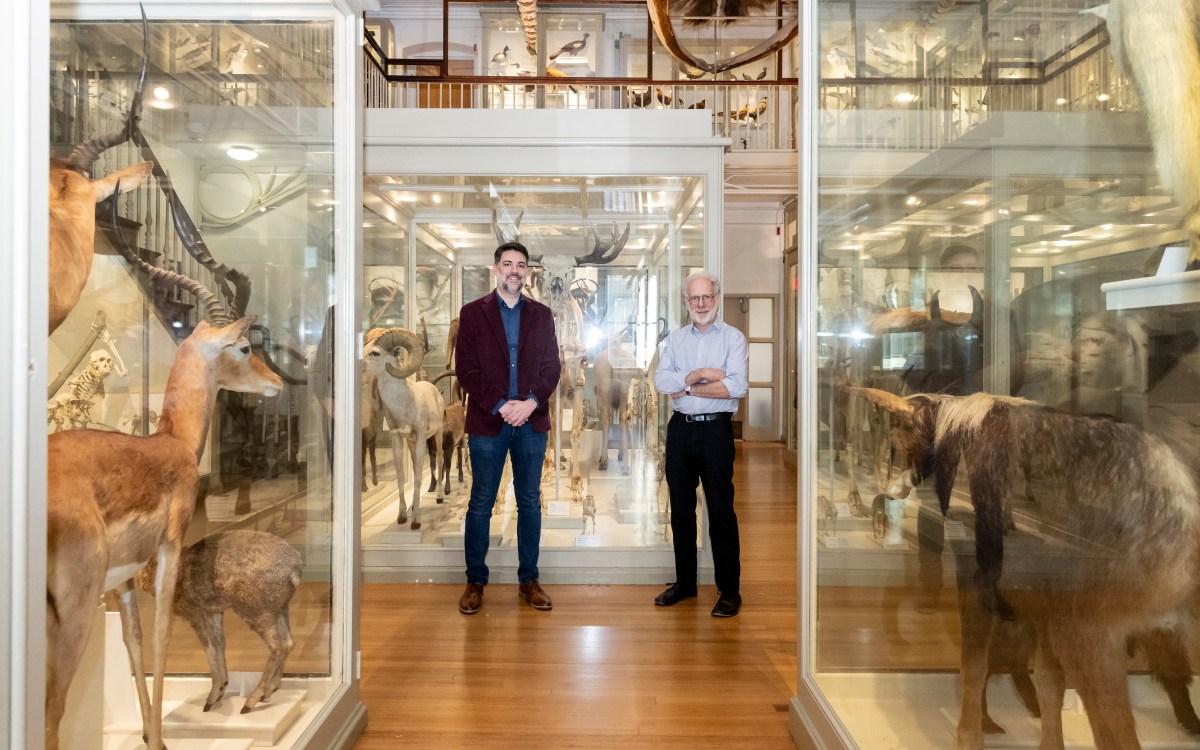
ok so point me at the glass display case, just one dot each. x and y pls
(1034, 249)
(607, 243)
(191, 368)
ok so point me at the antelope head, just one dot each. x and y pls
(231, 357)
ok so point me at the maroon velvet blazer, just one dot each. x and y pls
(481, 362)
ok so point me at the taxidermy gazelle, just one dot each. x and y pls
(116, 500)
(1122, 564)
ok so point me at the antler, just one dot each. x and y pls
(501, 237)
(605, 252)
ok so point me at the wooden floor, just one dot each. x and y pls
(605, 668)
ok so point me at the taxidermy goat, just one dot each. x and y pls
(255, 574)
(116, 500)
(1155, 42)
(1123, 514)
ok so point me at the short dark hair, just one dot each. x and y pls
(953, 250)
(517, 246)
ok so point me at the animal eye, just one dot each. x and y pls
(245, 349)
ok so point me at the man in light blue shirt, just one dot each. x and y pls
(703, 369)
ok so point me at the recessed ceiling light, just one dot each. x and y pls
(161, 92)
(242, 153)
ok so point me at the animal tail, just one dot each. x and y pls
(1155, 41)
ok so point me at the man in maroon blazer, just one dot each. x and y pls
(507, 361)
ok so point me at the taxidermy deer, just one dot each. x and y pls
(413, 408)
(116, 500)
(255, 574)
(1122, 565)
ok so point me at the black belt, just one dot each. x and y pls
(717, 415)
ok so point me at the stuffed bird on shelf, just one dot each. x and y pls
(572, 48)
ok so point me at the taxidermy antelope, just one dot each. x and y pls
(413, 408)
(73, 199)
(115, 500)
(255, 574)
(1123, 563)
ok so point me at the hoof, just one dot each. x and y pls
(415, 525)
(439, 501)
(402, 519)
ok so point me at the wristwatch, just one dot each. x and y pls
(687, 389)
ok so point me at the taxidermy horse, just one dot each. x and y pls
(1119, 517)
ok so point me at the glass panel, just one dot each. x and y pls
(1011, 260)
(762, 363)
(238, 116)
(762, 318)
(760, 407)
(603, 249)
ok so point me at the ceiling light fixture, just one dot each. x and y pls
(242, 153)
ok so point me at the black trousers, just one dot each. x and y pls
(702, 453)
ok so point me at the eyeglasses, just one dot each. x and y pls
(696, 299)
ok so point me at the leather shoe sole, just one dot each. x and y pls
(673, 595)
(533, 595)
(727, 606)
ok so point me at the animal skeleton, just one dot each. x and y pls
(74, 407)
(660, 17)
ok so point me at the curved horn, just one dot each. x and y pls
(82, 156)
(269, 361)
(446, 374)
(214, 311)
(401, 338)
(976, 308)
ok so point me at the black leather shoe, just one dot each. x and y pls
(727, 605)
(674, 595)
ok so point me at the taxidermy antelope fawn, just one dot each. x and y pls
(116, 500)
(255, 574)
(1122, 565)
(413, 408)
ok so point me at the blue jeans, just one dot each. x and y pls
(527, 449)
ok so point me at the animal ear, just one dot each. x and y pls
(237, 329)
(127, 178)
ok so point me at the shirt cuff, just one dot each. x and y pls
(533, 398)
(496, 409)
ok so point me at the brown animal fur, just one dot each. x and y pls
(1123, 515)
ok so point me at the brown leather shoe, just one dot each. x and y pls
(532, 592)
(472, 599)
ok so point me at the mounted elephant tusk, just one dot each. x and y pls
(660, 16)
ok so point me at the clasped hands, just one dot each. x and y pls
(516, 411)
(700, 376)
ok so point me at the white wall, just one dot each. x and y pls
(753, 249)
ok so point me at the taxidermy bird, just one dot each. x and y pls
(572, 48)
(741, 113)
(639, 98)
(1155, 41)
(501, 56)
(754, 113)
(556, 73)
(759, 77)
(691, 73)
(663, 99)
(698, 105)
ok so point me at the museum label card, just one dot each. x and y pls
(587, 540)
(836, 542)
(843, 510)
(558, 508)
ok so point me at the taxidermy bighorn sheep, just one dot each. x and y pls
(1124, 564)
(116, 500)
(413, 408)
(255, 574)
